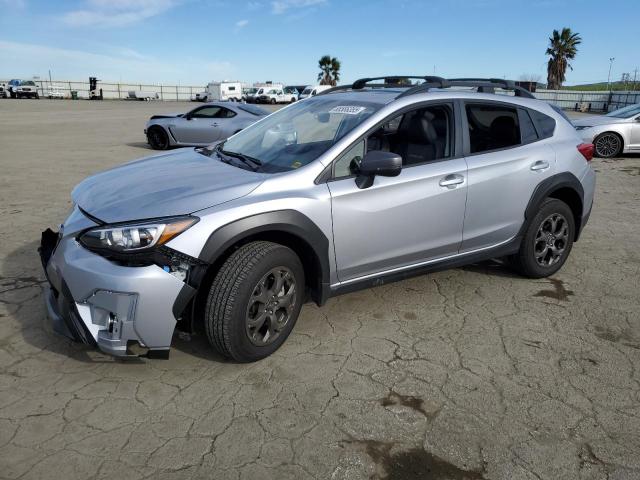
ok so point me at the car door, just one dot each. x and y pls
(225, 123)
(199, 126)
(399, 221)
(507, 159)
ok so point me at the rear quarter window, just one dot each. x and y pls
(545, 125)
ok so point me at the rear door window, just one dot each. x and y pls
(527, 129)
(492, 127)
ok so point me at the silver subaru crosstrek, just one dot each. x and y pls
(355, 187)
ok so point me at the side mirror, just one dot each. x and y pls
(376, 162)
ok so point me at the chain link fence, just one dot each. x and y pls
(117, 91)
(588, 101)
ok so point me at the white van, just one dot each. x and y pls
(312, 90)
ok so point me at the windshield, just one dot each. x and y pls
(252, 90)
(307, 91)
(297, 135)
(29, 83)
(625, 112)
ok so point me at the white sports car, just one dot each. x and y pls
(612, 134)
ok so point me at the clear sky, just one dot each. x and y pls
(192, 42)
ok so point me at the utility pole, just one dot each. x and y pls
(635, 75)
(611, 59)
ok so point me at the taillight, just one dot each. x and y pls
(586, 149)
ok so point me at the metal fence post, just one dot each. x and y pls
(161, 94)
(176, 93)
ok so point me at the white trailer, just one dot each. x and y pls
(222, 91)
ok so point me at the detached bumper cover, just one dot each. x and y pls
(99, 303)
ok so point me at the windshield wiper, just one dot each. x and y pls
(247, 160)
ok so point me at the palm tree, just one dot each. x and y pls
(563, 46)
(329, 70)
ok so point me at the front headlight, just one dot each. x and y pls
(582, 127)
(135, 237)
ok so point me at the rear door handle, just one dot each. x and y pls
(539, 166)
(451, 181)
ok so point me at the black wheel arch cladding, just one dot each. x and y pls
(293, 229)
(563, 186)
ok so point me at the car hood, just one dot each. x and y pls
(597, 120)
(176, 183)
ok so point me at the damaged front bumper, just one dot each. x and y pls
(123, 310)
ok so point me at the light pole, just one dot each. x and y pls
(611, 59)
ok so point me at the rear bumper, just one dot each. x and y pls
(124, 311)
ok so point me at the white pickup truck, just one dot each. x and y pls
(276, 95)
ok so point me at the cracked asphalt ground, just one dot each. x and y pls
(472, 373)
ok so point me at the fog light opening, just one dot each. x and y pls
(112, 323)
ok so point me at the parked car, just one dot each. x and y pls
(12, 85)
(276, 95)
(349, 189)
(312, 90)
(3, 91)
(202, 125)
(54, 92)
(25, 89)
(612, 134)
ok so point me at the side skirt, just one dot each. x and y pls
(459, 261)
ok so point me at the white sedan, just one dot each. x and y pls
(612, 134)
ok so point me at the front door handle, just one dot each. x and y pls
(214, 124)
(451, 181)
(539, 166)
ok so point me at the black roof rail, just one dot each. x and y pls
(390, 81)
(484, 85)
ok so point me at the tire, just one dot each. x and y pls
(608, 145)
(273, 101)
(247, 277)
(12, 94)
(158, 138)
(293, 99)
(36, 96)
(547, 241)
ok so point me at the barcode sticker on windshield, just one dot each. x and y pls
(347, 109)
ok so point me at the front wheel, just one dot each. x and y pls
(608, 145)
(547, 241)
(254, 301)
(158, 138)
(273, 101)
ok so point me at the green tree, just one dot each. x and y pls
(329, 70)
(563, 46)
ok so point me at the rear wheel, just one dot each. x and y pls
(608, 145)
(547, 241)
(254, 301)
(158, 138)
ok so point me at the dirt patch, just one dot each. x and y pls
(413, 464)
(414, 403)
(623, 337)
(410, 316)
(559, 292)
(633, 171)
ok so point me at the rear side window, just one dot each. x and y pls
(545, 125)
(527, 129)
(492, 127)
